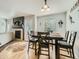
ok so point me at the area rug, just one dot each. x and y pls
(16, 50)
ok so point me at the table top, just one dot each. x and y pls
(52, 36)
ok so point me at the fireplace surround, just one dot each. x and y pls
(18, 33)
(18, 28)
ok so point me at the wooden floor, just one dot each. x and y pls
(19, 50)
(52, 54)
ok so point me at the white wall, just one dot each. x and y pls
(74, 27)
(52, 22)
(10, 7)
(5, 29)
(5, 25)
(2, 25)
(29, 24)
(5, 38)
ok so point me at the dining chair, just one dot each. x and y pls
(68, 45)
(63, 40)
(66, 37)
(32, 41)
(66, 40)
(43, 43)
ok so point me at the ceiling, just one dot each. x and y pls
(11, 8)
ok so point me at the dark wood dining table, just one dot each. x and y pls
(55, 37)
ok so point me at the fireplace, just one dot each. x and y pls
(18, 28)
(18, 34)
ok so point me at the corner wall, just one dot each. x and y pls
(74, 27)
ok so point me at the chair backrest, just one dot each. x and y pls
(67, 35)
(29, 35)
(69, 38)
(31, 32)
(72, 38)
(43, 39)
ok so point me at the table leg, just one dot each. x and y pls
(39, 51)
(56, 50)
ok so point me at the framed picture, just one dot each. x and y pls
(18, 21)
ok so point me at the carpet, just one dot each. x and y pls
(16, 50)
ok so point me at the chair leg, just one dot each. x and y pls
(70, 52)
(28, 48)
(35, 48)
(38, 55)
(29, 44)
(73, 53)
(48, 52)
(39, 51)
(58, 52)
(33, 45)
(52, 45)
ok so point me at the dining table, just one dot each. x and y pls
(54, 36)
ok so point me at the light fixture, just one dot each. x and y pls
(45, 7)
(60, 23)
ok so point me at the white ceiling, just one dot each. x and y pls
(26, 7)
